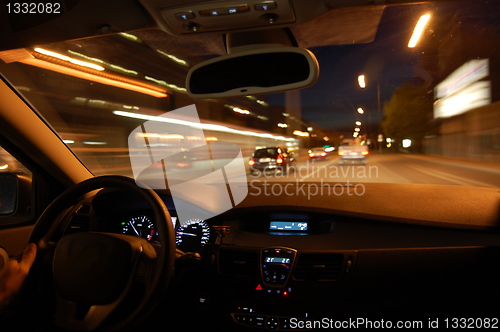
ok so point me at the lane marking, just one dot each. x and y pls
(451, 178)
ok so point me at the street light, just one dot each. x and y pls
(360, 110)
(417, 31)
(361, 81)
(358, 123)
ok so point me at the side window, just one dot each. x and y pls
(10, 164)
(15, 190)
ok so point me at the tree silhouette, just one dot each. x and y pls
(407, 115)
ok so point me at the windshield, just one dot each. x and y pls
(394, 106)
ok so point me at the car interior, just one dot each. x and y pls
(147, 219)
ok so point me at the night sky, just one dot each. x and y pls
(332, 102)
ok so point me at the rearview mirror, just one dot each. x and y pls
(258, 71)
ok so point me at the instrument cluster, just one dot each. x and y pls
(190, 235)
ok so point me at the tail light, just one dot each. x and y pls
(364, 153)
(341, 153)
(279, 160)
(311, 155)
(323, 154)
(251, 162)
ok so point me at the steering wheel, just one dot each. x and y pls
(96, 274)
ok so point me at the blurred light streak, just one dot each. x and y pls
(94, 143)
(168, 85)
(174, 58)
(113, 66)
(204, 126)
(476, 95)
(417, 31)
(130, 36)
(301, 133)
(70, 68)
(69, 59)
(241, 111)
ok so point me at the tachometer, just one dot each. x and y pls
(140, 226)
(192, 235)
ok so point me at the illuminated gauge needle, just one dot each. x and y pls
(190, 234)
(135, 230)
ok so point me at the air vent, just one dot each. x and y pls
(80, 220)
(84, 209)
(239, 262)
(318, 266)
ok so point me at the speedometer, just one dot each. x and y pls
(192, 235)
(140, 226)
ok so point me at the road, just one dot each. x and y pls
(392, 168)
(380, 168)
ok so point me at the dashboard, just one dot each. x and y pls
(262, 266)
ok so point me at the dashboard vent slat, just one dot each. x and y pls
(239, 262)
(318, 266)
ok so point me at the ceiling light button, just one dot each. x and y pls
(184, 16)
(265, 6)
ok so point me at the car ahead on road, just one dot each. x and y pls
(317, 154)
(272, 159)
(351, 150)
(82, 80)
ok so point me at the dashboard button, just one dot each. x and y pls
(203, 300)
(272, 323)
(259, 321)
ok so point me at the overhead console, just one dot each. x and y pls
(218, 16)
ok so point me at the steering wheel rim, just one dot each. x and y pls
(160, 268)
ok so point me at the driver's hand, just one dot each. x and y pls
(12, 275)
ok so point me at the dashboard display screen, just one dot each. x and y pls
(288, 226)
(282, 260)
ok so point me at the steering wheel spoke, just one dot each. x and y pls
(81, 316)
